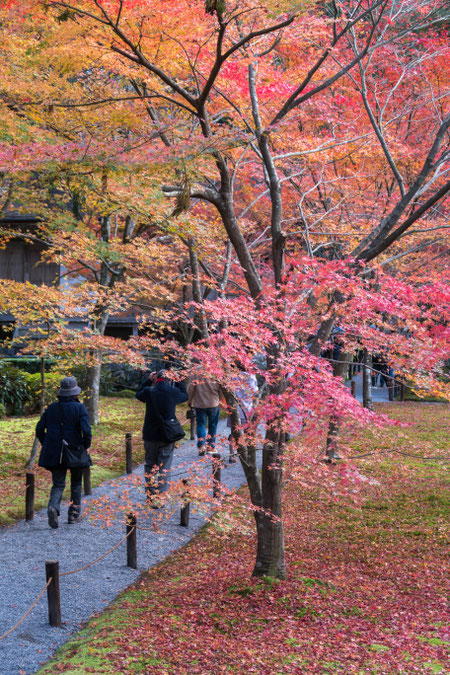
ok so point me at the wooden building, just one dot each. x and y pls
(20, 260)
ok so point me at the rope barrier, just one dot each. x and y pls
(407, 454)
(149, 529)
(63, 574)
(28, 611)
(18, 494)
(114, 453)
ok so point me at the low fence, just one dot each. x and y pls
(52, 571)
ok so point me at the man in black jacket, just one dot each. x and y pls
(158, 391)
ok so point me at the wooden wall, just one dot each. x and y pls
(20, 261)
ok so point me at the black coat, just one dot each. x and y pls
(167, 395)
(76, 429)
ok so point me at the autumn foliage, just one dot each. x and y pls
(250, 180)
(365, 593)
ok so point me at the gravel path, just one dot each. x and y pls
(379, 394)
(24, 548)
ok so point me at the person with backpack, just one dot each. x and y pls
(161, 429)
(64, 431)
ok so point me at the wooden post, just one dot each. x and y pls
(391, 388)
(353, 387)
(216, 474)
(193, 420)
(131, 541)
(129, 452)
(54, 599)
(29, 496)
(87, 480)
(402, 392)
(184, 513)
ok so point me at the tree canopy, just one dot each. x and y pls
(264, 175)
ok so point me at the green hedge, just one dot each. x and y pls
(20, 389)
(52, 382)
(29, 364)
(123, 393)
(13, 389)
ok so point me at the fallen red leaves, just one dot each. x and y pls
(365, 592)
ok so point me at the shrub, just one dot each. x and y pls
(2, 411)
(107, 382)
(52, 382)
(124, 393)
(30, 364)
(13, 388)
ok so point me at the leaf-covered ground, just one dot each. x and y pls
(365, 591)
(118, 415)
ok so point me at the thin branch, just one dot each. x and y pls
(294, 100)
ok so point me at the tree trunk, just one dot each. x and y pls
(333, 440)
(93, 392)
(93, 372)
(367, 381)
(332, 450)
(200, 317)
(32, 458)
(42, 397)
(270, 556)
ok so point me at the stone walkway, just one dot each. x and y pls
(379, 394)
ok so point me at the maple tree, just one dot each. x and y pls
(305, 139)
(364, 593)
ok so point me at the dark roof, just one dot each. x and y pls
(16, 217)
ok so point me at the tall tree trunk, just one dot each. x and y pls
(367, 380)
(332, 450)
(332, 439)
(42, 396)
(93, 391)
(32, 458)
(102, 313)
(270, 555)
(200, 317)
(94, 372)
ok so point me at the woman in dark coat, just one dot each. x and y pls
(68, 419)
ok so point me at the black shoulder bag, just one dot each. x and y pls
(74, 457)
(171, 429)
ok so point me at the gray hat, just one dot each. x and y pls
(161, 373)
(69, 387)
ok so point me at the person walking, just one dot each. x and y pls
(246, 388)
(65, 421)
(204, 397)
(161, 397)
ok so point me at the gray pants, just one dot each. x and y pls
(160, 454)
(59, 483)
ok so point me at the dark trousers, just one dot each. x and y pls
(157, 454)
(59, 483)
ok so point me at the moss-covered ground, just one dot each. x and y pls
(365, 592)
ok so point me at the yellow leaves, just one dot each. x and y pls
(277, 7)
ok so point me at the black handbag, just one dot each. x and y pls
(73, 457)
(171, 429)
